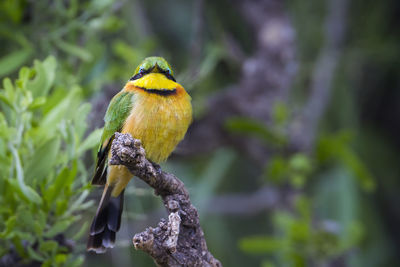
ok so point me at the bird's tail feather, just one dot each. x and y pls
(106, 222)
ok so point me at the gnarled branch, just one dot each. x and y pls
(178, 241)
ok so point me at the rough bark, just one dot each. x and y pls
(178, 241)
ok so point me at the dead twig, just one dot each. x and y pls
(178, 241)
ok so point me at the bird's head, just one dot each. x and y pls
(153, 65)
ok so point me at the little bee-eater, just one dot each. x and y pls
(152, 107)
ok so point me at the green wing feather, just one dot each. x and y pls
(117, 112)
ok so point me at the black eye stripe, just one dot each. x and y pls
(141, 73)
(144, 72)
(169, 76)
(137, 76)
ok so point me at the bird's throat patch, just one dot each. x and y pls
(154, 82)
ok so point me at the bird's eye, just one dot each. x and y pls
(168, 74)
(139, 75)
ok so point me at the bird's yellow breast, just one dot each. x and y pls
(160, 116)
(159, 121)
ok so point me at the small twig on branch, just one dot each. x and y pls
(180, 240)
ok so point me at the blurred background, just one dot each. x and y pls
(293, 155)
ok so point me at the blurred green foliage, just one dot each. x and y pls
(299, 242)
(296, 239)
(42, 178)
(79, 32)
(344, 192)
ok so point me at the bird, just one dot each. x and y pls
(153, 108)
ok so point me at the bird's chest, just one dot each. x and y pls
(160, 122)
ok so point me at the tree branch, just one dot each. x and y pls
(178, 241)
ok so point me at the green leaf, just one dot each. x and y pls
(277, 169)
(23, 77)
(325, 243)
(19, 185)
(47, 263)
(354, 163)
(44, 76)
(63, 181)
(355, 234)
(61, 258)
(14, 60)
(261, 244)
(5, 100)
(297, 180)
(43, 160)
(74, 50)
(25, 192)
(78, 203)
(126, 51)
(25, 217)
(280, 113)
(61, 111)
(82, 231)
(26, 100)
(300, 163)
(40, 222)
(100, 6)
(35, 255)
(37, 103)
(336, 148)
(9, 227)
(59, 227)
(255, 128)
(48, 246)
(19, 247)
(8, 96)
(75, 262)
(31, 194)
(299, 231)
(79, 120)
(5, 132)
(91, 141)
(61, 206)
